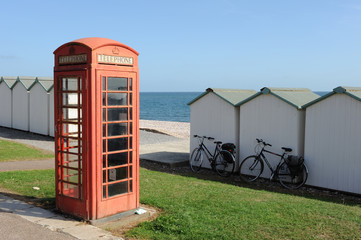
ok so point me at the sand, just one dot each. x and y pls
(176, 129)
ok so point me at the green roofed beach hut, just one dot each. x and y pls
(214, 114)
(40, 109)
(20, 102)
(276, 116)
(333, 140)
(6, 83)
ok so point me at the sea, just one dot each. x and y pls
(169, 106)
(166, 106)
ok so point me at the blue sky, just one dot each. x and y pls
(192, 45)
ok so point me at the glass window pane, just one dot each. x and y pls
(104, 130)
(71, 114)
(117, 188)
(130, 84)
(130, 157)
(130, 114)
(117, 129)
(131, 186)
(117, 114)
(117, 84)
(117, 159)
(116, 174)
(131, 128)
(70, 175)
(130, 99)
(104, 191)
(104, 83)
(130, 172)
(70, 99)
(104, 99)
(117, 144)
(104, 115)
(71, 190)
(117, 99)
(70, 84)
(104, 176)
(104, 146)
(130, 143)
(104, 161)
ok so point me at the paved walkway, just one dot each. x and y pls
(19, 220)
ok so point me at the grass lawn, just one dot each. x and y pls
(10, 150)
(204, 209)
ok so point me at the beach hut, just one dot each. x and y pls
(51, 112)
(276, 116)
(6, 83)
(333, 140)
(20, 102)
(39, 106)
(214, 114)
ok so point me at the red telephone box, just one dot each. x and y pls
(96, 98)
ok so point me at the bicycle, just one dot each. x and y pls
(291, 176)
(222, 161)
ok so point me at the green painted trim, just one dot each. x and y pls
(337, 90)
(248, 99)
(197, 98)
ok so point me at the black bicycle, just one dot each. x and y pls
(222, 160)
(291, 171)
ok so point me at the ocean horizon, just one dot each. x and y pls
(170, 106)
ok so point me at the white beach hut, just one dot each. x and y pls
(6, 83)
(333, 140)
(276, 116)
(214, 114)
(51, 112)
(20, 102)
(39, 103)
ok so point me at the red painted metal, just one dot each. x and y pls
(96, 97)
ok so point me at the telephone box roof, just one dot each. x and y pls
(97, 42)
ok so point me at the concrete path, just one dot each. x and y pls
(19, 220)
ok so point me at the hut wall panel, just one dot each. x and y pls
(274, 121)
(51, 112)
(5, 105)
(20, 105)
(213, 117)
(332, 143)
(39, 110)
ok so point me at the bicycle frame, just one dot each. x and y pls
(208, 153)
(264, 159)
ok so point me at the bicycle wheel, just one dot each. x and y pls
(251, 168)
(224, 163)
(292, 179)
(196, 160)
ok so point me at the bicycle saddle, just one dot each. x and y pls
(287, 149)
(218, 142)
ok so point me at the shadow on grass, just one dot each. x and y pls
(260, 184)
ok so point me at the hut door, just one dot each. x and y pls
(118, 113)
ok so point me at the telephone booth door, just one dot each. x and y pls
(118, 121)
(71, 188)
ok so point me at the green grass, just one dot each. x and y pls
(10, 150)
(203, 209)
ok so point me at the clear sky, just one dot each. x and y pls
(190, 45)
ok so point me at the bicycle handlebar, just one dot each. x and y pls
(261, 141)
(209, 138)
